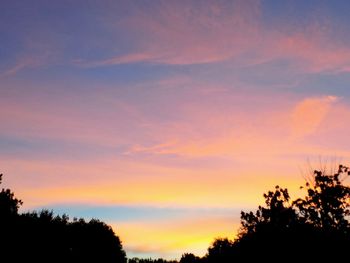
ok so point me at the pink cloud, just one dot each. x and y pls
(61, 119)
(27, 62)
(124, 59)
(311, 53)
(178, 33)
(181, 34)
(226, 129)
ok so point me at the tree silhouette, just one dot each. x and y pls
(149, 260)
(270, 232)
(220, 251)
(9, 205)
(313, 228)
(278, 213)
(189, 258)
(44, 237)
(327, 202)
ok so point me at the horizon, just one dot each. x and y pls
(163, 116)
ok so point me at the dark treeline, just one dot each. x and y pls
(43, 237)
(149, 260)
(309, 229)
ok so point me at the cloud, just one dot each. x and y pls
(182, 33)
(124, 59)
(67, 117)
(310, 52)
(186, 33)
(222, 124)
(27, 62)
(258, 127)
(309, 114)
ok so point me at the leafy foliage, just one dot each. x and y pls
(44, 237)
(277, 213)
(220, 251)
(149, 260)
(328, 201)
(189, 258)
(313, 228)
(9, 205)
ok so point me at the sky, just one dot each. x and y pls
(165, 119)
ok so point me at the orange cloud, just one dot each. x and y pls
(310, 113)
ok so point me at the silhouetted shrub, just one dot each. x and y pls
(149, 260)
(189, 258)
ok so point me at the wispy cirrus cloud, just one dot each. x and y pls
(21, 64)
(13, 70)
(188, 32)
(234, 32)
(310, 52)
(124, 59)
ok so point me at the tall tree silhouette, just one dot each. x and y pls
(313, 228)
(278, 213)
(327, 202)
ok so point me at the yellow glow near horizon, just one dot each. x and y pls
(191, 235)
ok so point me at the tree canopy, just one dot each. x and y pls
(9, 205)
(313, 228)
(44, 237)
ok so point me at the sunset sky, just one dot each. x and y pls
(165, 119)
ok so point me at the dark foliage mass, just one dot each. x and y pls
(189, 258)
(149, 260)
(43, 237)
(311, 229)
